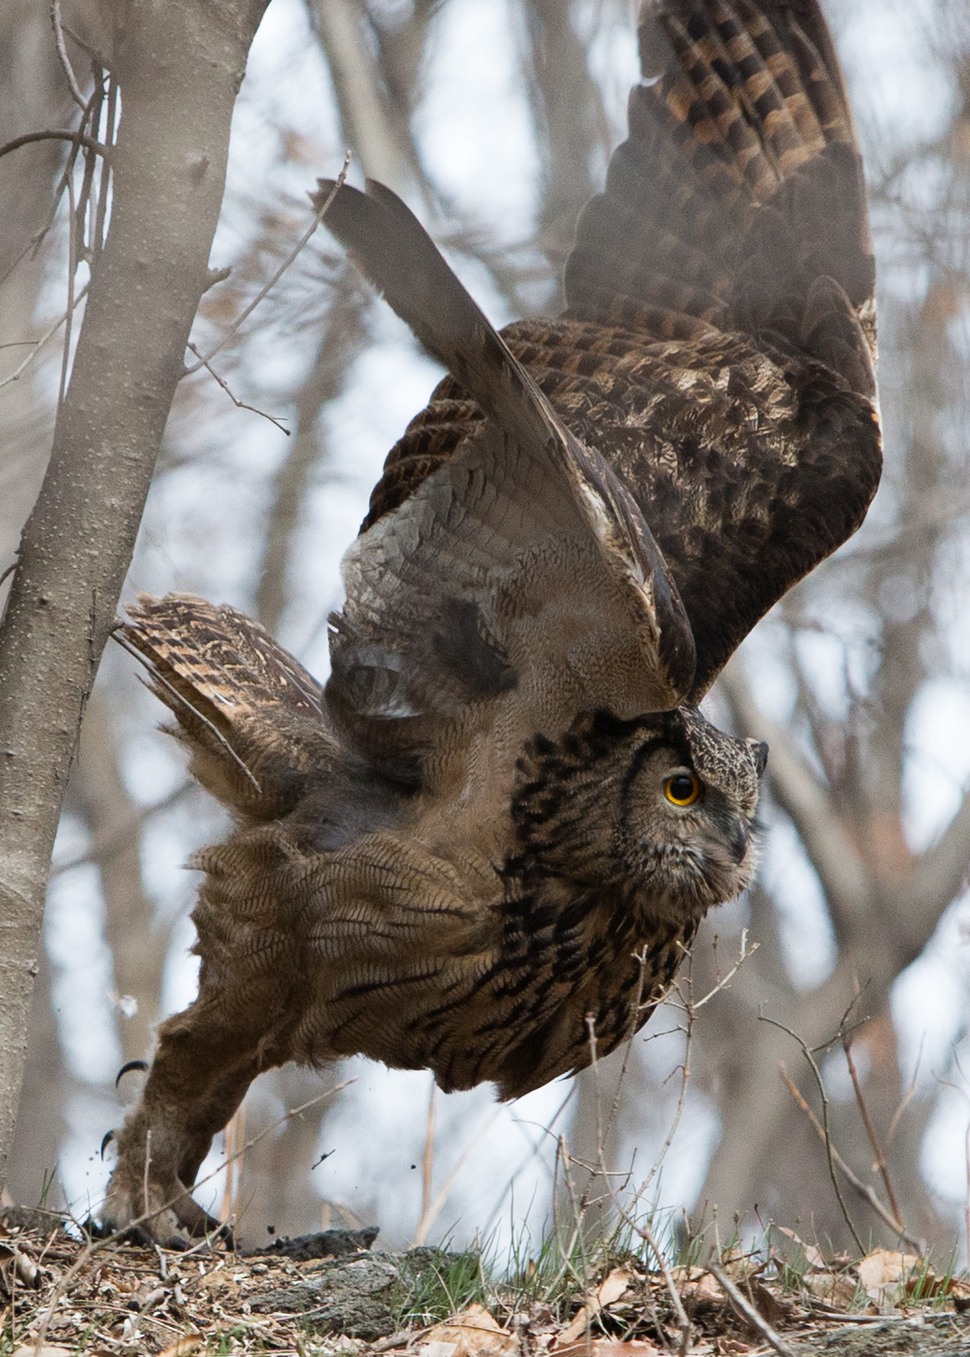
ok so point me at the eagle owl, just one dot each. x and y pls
(483, 846)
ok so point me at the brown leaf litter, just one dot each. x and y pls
(335, 1298)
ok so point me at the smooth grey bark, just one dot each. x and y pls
(179, 68)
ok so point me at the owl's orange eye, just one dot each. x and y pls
(682, 789)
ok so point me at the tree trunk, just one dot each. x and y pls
(179, 68)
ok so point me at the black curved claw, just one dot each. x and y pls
(108, 1138)
(128, 1066)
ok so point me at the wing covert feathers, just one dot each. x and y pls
(482, 577)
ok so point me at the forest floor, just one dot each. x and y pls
(332, 1295)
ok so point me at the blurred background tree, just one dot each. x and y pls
(495, 118)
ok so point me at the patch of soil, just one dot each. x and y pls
(920, 1336)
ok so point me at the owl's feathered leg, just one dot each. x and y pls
(252, 992)
(197, 1080)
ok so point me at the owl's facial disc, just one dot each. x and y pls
(687, 815)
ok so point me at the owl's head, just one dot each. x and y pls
(661, 809)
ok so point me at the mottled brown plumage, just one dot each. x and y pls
(484, 847)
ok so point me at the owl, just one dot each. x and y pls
(484, 846)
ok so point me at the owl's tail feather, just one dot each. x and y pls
(738, 200)
(251, 716)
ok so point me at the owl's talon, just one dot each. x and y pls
(128, 1066)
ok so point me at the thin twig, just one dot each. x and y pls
(78, 139)
(907, 1097)
(722, 981)
(267, 287)
(864, 1189)
(235, 1135)
(73, 254)
(104, 847)
(871, 1132)
(68, 170)
(239, 404)
(826, 1136)
(690, 1007)
(636, 1022)
(432, 1210)
(962, 1093)
(88, 243)
(546, 1131)
(748, 1312)
(110, 128)
(646, 1234)
(427, 1164)
(64, 59)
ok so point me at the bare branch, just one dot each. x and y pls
(37, 345)
(870, 1129)
(826, 1132)
(80, 139)
(936, 879)
(64, 59)
(237, 402)
(864, 1189)
(264, 291)
(339, 342)
(378, 140)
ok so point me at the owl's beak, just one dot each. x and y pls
(759, 750)
(738, 842)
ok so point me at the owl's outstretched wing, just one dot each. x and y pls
(735, 216)
(719, 340)
(522, 563)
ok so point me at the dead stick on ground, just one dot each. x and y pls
(740, 1303)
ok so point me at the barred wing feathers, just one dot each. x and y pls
(718, 346)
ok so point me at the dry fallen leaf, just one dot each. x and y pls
(473, 1333)
(769, 1306)
(886, 1276)
(696, 1284)
(608, 1291)
(831, 1288)
(813, 1256)
(731, 1347)
(184, 1346)
(959, 1291)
